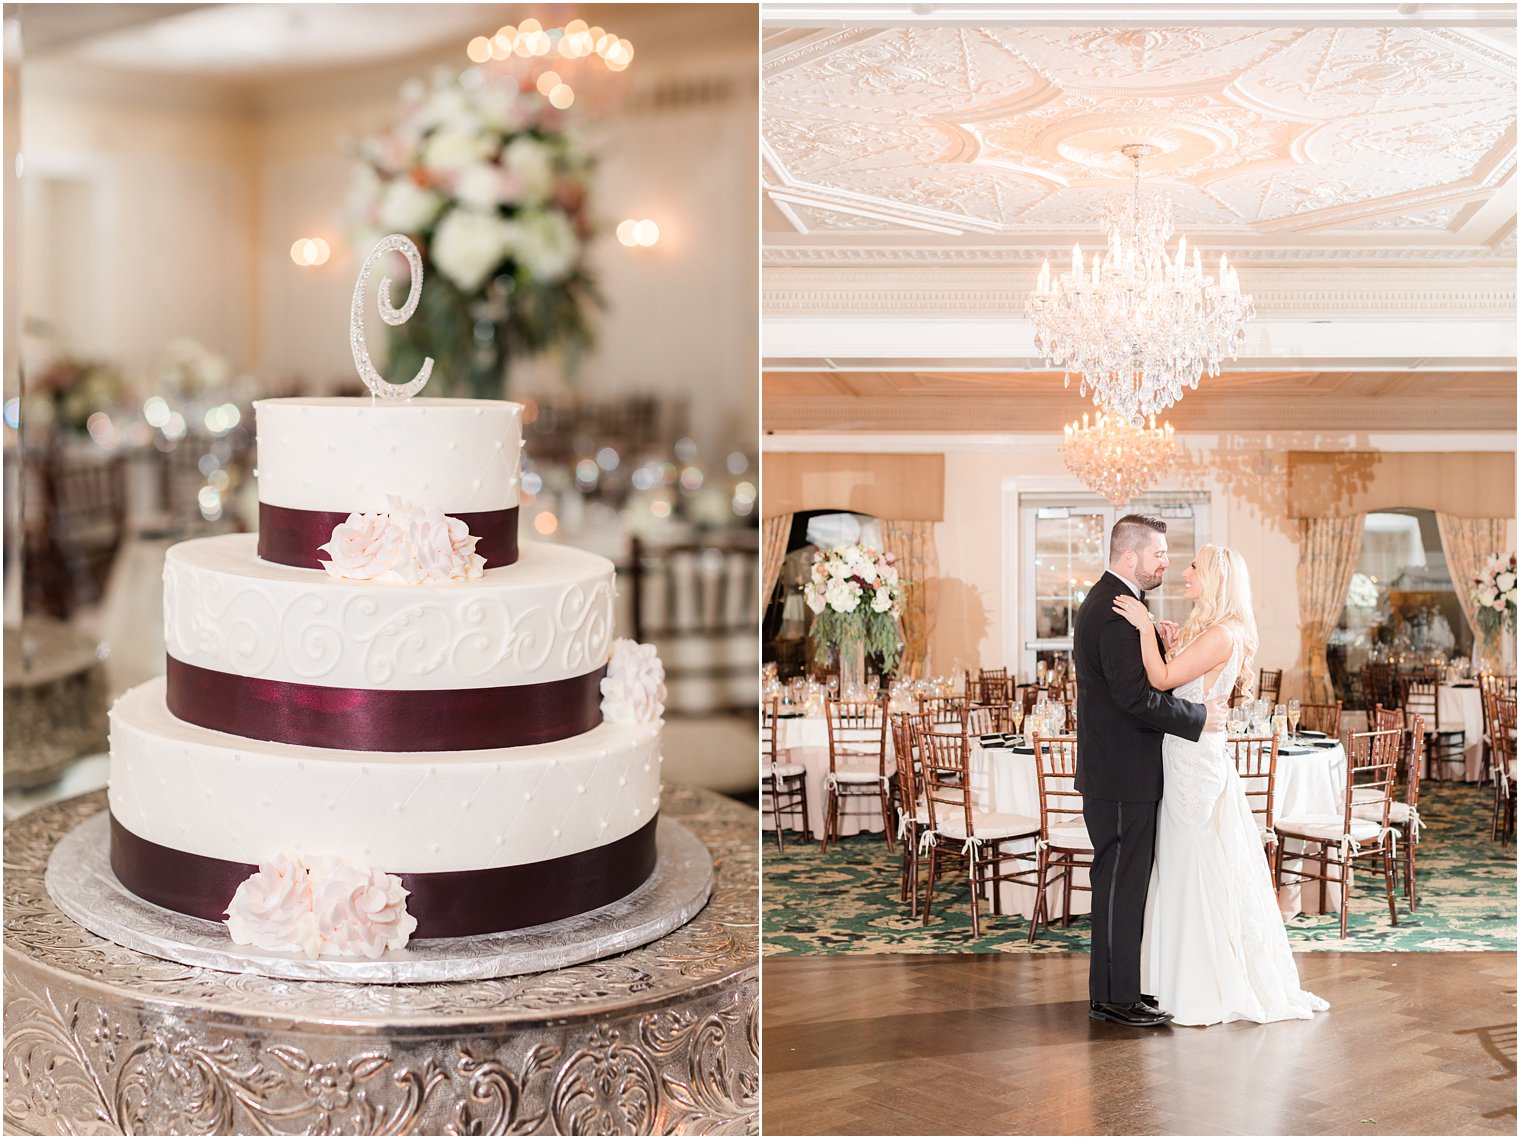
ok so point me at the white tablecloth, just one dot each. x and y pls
(805, 740)
(1463, 708)
(1308, 783)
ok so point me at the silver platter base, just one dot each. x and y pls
(81, 884)
(663, 1039)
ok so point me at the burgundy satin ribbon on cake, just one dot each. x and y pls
(367, 719)
(456, 903)
(292, 537)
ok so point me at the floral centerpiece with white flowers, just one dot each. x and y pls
(484, 175)
(856, 598)
(1493, 595)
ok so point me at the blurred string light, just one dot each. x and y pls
(546, 523)
(738, 463)
(533, 42)
(223, 418)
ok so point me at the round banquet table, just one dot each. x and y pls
(805, 740)
(1462, 707)
(1309, 781)
(663, 1039)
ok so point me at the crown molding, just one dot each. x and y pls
(809, 252)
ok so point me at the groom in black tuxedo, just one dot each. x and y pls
(1119, 732)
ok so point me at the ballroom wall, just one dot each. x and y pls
(976, 597)
(181, 198)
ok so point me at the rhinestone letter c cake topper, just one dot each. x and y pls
(395, 243)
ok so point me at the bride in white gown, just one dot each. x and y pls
(1214, 947)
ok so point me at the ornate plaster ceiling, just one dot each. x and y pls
(1396, 136)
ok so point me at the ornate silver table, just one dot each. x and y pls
(103, 1040)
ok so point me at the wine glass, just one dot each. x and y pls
(1040, 671)
(1295, 710)
(1016, 716)
(1279, 720)
(1235, 721)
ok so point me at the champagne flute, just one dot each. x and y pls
(1279, 720)
(1016, 717)
(1040, 670)
(1295, 710)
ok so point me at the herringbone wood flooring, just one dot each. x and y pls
(1414, 1043)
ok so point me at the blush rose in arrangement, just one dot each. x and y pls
(1493, 595)
(856, 597)
(486, 176)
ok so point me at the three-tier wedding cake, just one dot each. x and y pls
(383, 717)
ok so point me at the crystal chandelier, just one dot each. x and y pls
(1116, 458)
(1137, 324)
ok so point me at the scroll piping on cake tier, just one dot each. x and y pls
(378, 719)
(291, 537)
(457, 903)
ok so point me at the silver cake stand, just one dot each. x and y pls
(101, 1039)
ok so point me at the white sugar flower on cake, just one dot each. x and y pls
(633, 691)
(359, 911)
(272, 909)
(410, 544)
(329, 909)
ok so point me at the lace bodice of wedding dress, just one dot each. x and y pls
(1215, 948)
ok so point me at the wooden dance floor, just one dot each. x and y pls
(1414, 1043)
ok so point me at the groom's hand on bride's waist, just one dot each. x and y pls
(1219, 712)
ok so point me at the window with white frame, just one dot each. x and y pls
(1064, 550)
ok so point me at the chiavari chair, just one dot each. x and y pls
(1445, 747)
(1342, 839)
(1504, 769)
(943, 709)
(857, 761)
(1402, 814)
(1380, 685)
(994, 687)
(954, 819)
(1063, 846)
(783, 786)
(984, 719)
(912, 813)
(1269, 685)
(1321, 718)
(1256, 764)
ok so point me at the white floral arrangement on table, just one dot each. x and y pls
(326, 909)
(1493, 595)
(409, 545)
(483, 173)
(633, 691)
(856, 597)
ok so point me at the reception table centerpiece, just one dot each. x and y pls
(856, 597)
(485, 175)
(1493, 598)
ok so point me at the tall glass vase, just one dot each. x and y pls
(852, 669)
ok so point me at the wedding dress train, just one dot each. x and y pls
(1214, 947)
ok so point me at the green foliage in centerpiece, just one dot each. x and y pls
(856, 598)
(485, 176)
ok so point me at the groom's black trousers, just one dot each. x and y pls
(1124, 846)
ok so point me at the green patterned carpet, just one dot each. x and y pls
(847, 900)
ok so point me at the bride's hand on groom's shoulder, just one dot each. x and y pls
(1133, 610)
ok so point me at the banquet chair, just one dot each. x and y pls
(1403, 814)
(954, 819)
(993, 686)
(1063, 844)
(1380, 685)
(943, 709)
(783, 786)
(1269, 685)
(1256, 764)
(857, 762)
(1504, 769)
(984, 719)
(1445, 747)
(1321, 718)
(1372, 760)
(79, 525)
(912, 814)
(1488, 692)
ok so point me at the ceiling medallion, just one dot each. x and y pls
(1117, 458)
(1136, 324)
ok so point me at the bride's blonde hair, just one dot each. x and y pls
(1224, 588)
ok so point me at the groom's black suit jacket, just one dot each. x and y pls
(1122, 718)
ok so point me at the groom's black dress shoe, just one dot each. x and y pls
(1137, 1015)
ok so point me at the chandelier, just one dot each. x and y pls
(1116, 458)
(1137, 324)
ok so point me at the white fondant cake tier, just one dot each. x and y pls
(548, 617)
(348, 454)
(244, 800)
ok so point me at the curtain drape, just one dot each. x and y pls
(773, 535)
(1468, 543)
(1328, 549)
(918, 564)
